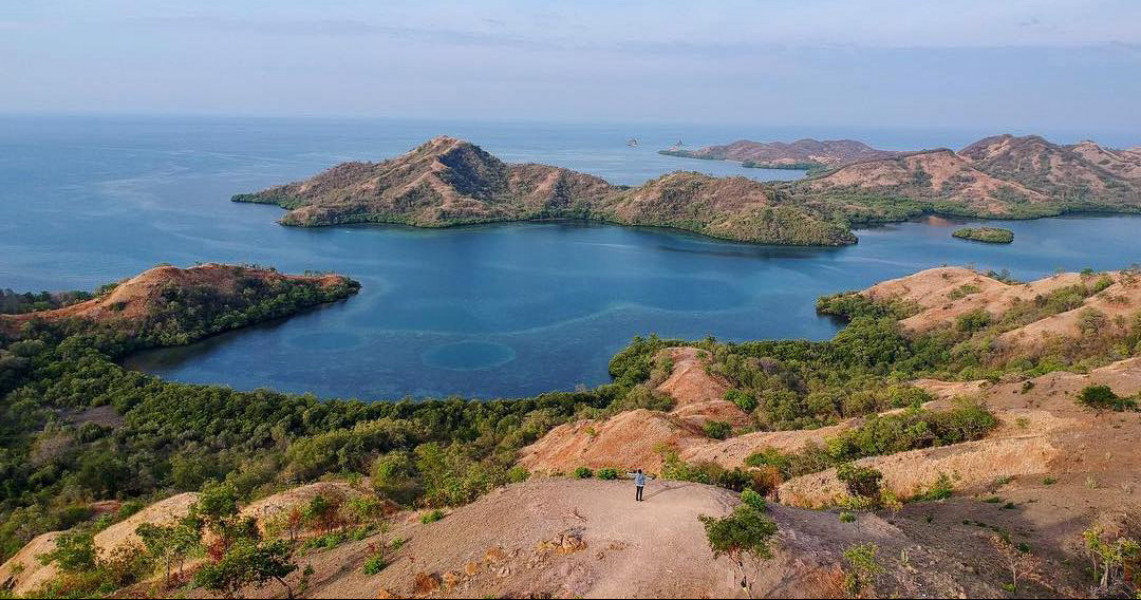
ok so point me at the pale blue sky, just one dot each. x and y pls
(1009, 64)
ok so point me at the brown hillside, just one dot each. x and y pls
(807, 151)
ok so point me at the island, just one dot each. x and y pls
(448, 181)
(989, 235)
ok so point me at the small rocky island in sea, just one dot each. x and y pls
(989, 235)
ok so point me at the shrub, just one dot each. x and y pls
(941, 489)
(860, 481)
(751, 498)
(431, 516)
(770, 457)
(862, 567)
(583, 473)
(1102, 397)
(717, 430)
(745, 531)
(375, 562)
(607, 473)
(744, 400)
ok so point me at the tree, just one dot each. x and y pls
(168, 544)
(1022, 564)
(1111, 557)
(747, 531)
(73, 553)
(862, 567)
(249, 563)
(862, 482)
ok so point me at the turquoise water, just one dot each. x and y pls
(499, 310)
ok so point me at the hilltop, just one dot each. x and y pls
(447, 182)
(154, 304)
(1002, 176)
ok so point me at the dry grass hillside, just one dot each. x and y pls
(132, 302)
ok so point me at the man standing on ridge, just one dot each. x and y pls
(639, 483)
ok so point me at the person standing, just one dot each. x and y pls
(639, 484)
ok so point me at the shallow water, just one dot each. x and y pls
(498, 310)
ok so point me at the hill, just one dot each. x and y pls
(155, 304)
(1000, 176)
(448, 182)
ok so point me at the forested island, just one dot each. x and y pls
(989, 235)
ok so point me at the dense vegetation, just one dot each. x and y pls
(13, 303)
(990, 235)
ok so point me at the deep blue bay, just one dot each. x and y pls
(487, 311)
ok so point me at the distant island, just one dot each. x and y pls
(990, 235)
(447, 182)
(806, 154)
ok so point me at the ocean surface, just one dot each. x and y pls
(489, 311)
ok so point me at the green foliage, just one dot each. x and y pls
(248, 563)
(73, 552)
(941, 489)
(990, 235)
(607, 473)
(583, 473)
(1102, 397)
(862, 567)
(745, 531)
(751, 498)
(860, 481)
(744, 400)
(431, 516)
(375, 563)
(717, 430)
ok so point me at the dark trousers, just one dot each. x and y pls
(639, 496)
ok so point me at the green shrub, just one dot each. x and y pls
(717, 430)
(745, 531)
(431, 516)
(751, 498)
(860, 481)
(583, 473)
(941, 489)
(375, 563)
(1102, 397)
(607, 473)
(744, 400)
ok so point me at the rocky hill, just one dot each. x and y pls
(1000, 176)
(452, 182)
(801, 154)
(155, 304)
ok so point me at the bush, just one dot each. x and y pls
(862, 482)
(375, 563)
(751, 498)
(745, 531)
(744, 400)
(717, 430)
(1102, 397)
(431, 516)
(607, 473)
(583, 473)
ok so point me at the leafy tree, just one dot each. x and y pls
(170, 544)
(861, 482)
(745, 532)
(862, 567)
(246, 563)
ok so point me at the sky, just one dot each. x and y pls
(1009, 64)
